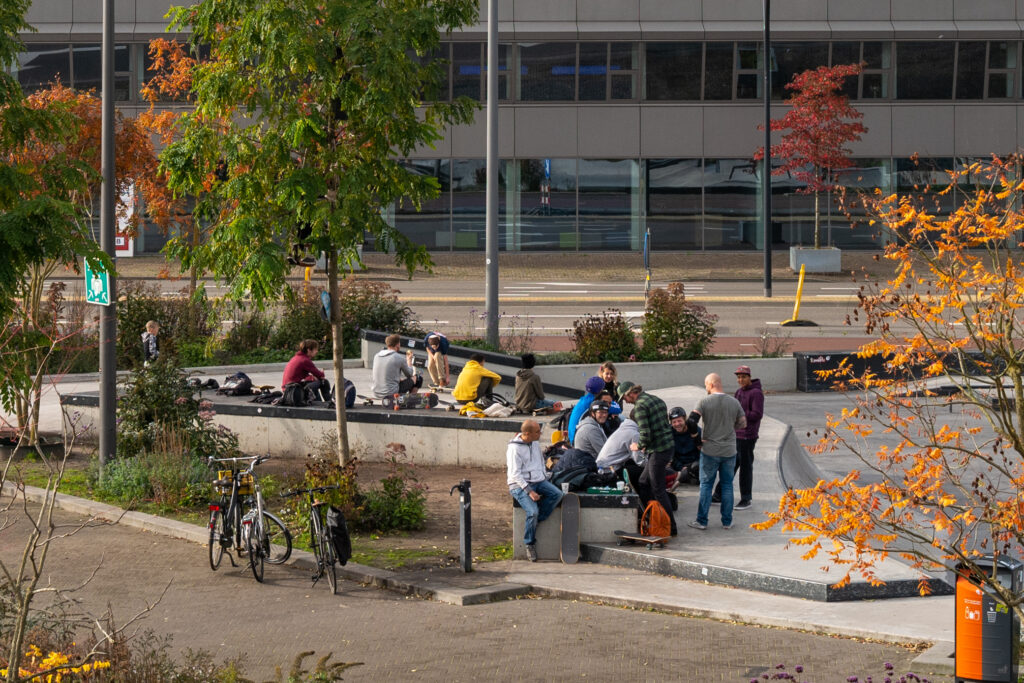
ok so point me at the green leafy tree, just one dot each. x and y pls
(302, 114)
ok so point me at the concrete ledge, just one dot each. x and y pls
(670, 563)
(600, 517)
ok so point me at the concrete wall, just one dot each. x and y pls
(597, 525)
(776, 374)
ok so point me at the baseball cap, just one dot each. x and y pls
(743, 370)
(599, 405)
(594, 385)
(676, 412)
(625, 387)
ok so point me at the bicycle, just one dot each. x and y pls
(319, 537)
(260, 534)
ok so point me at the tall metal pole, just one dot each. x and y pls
(492, 174)
(108, 314)
(766, 169)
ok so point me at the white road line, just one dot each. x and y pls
(841, 288)
(522, 287)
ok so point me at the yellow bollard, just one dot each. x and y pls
(795, 320)
(309, 273)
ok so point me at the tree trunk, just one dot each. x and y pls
(344, 454)
(817, 241)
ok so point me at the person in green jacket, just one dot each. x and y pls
(656, 440)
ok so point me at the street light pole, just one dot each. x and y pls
(108, 313)
(491, 289)
(766, 168)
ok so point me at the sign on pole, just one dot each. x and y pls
(97, 286)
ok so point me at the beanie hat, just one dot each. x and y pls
(594, 385)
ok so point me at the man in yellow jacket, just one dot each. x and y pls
(475, 380)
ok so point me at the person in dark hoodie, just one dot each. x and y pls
(529, 395)
(751, 398)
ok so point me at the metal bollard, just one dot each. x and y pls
(465, 525)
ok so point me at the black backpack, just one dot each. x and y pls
(237, 384)
(337, 530)
(294, 396)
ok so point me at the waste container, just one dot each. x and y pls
(987, 631)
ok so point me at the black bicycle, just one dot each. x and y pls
(256, 532)
(319, 536)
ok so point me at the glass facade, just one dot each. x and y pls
(607, 204)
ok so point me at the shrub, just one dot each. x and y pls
(674, 328)
(182, 318)
(367, 305)
(604, 337)
(157, 401)
(558, 358)
(475, 343)
(301, 319)
(252, 331)
(167, 475)
(125, 480)
(399, 503)
(322, 469)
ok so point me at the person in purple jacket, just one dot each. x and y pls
(751, 398)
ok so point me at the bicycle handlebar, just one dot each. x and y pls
(253, 460)
(318, 489)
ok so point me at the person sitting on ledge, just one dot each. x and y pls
(590, 436)
(529, 395)
(528, 483)
(301, 369)
(593, 387)
(475, 381)
(392, 373)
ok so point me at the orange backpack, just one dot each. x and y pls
(655, 521)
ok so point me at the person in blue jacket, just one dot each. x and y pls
(593, 386)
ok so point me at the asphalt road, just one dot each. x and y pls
(400, 638)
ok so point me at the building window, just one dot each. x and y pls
(718, 62)
(1002, 69)
(790, 59)
(41, 64)
(924, 70)
(609, 204)
(873, 81)
(748, 76)
(970, 70)
(430, 225)
(547, 72)
(673, 71)
(731, 190)
(674, 203)
(88, 70)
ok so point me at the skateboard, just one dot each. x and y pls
(439, 389)
(624, 537)
(409, 401)
(367, 401)
(570, 551)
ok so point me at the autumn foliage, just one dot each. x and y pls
(948, 484)
(821, 123)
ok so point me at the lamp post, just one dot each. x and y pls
(766, 169)
(491, 249)
(108, 313)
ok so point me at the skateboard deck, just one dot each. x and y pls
(367, 400)
(624, 537)
(570, 551)
(409, 401)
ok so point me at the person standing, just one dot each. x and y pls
(437, 359)
(150, 345)
(751, 398)
(651, 417)
(722, 415)
(392, 373)
(528, 483)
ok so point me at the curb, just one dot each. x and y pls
(199, 370)
(938, 657)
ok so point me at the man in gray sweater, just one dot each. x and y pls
(391, 371)
(590, 436)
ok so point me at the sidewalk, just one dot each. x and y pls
(902, 621)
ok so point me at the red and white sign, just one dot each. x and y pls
(124, 245)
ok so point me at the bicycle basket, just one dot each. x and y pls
(223, 476)
(246, 484)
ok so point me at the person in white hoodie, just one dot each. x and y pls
(528, 483)
(392, 373)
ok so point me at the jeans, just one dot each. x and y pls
(744, 468)
(543, 403)
(536, 511)
(723, 469)
(654, 477)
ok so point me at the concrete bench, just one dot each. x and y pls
(600, 516)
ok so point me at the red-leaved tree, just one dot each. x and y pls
(821, 122)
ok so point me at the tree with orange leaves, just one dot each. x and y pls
(79, 149)
(948, 487)
(821, 123)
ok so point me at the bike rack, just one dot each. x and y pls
(465, 524)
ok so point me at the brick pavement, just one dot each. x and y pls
(402, 638)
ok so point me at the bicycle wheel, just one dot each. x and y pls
(253, 548)
(277, 544)
(216, 548)
(314, 543)
(327, 553)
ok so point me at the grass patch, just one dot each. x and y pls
(365, 552)
(494, 553)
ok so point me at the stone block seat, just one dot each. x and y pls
(600, 516)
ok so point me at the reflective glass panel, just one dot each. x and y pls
(431, 224)
(730, 203)
(547, 72)
(970, 70)
(718, 71)
(865, 176)
(39, 65)
(467, 67)
(924, 70)
(674, 203)
(593, 71)
(88, 64)
(546, 216)
(623, 66)
(673, 71)
(469, 202)
(609, 204)
(791, 59)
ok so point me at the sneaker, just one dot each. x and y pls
(531, 553)
(727, 526)
(697, 525)
(742, 505)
